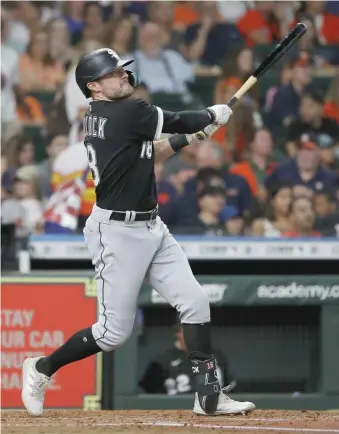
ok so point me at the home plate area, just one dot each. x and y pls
(168, 422)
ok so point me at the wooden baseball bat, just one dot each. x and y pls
(277, 53)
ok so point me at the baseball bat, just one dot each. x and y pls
(277, 53)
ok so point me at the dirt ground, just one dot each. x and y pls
(168, 422)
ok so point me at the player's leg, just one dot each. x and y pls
(170, 275)
(121, 255)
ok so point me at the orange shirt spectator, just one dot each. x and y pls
(331, 107)
(37, 71)
(293, 234)
(329, 28)
(326, 25)
(235, 135)
(185, 14)
(255, 21)
(257, 165)
(32, 113)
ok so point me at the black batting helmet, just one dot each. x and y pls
(97, 64)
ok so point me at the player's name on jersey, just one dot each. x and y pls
(54, 247)
(94, 126)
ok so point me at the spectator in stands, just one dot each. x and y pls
(268, 22)
(167, 194)
(29, 111)
(45, 169)
(328, 156)
(37, 70)
(59, 42)
(119, 36)
(26, 21)
(136, 10)
(185, 14)
(234, 223)
(74, 16)
(9, 83)
(71, 166)
(258, 164)
(331, 107)
(286, 101)
(210, 40)
(305, 172)
(181, 167)
(276, 219)
(94, 26)
(211, 201)
(162, 14)
(327, 216)
(326, 24)
(70, 104)
(234, 137)
(26, 191)
(238, 65)
(232, 11)
(161, 69)
(311, 120)
(210, 161)
(13, 213)
(20, 153)
(302, 219)
(310, 44)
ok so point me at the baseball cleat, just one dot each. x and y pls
(33, 387)
(226, 405)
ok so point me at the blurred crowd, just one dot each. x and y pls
(272, 171)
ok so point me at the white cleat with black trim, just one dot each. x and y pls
(226, 405)
(33, 387)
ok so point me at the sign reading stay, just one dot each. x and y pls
(37, 317)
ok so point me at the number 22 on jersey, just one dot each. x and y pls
(92, 162)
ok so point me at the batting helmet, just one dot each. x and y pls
(97, 64)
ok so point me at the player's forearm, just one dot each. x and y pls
(186, 122)
(163, 150)
(191, 121)
(167, 147)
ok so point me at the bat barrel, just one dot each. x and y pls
(285, 45)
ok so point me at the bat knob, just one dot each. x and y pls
(201, 135)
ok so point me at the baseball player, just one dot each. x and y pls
(126, 238)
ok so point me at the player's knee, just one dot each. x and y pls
(111, 332)
(197, 308)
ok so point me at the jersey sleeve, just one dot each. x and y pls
(147, 120)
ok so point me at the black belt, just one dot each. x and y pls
(138, 216)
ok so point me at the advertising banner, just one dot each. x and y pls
(38, 315)
(260, 290)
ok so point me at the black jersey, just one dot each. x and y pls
(171, 373)
(119, 141)
(119, 138)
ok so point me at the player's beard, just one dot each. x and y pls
(125, 91)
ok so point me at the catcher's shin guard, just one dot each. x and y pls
(206, 381)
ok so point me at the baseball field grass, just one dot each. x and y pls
(168, 422)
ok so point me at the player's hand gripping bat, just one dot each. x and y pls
(283, 47)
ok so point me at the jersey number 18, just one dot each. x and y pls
(146, 149)
(92, 162)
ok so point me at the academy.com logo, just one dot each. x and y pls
(296, 290)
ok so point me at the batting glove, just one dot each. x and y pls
(221, 113)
